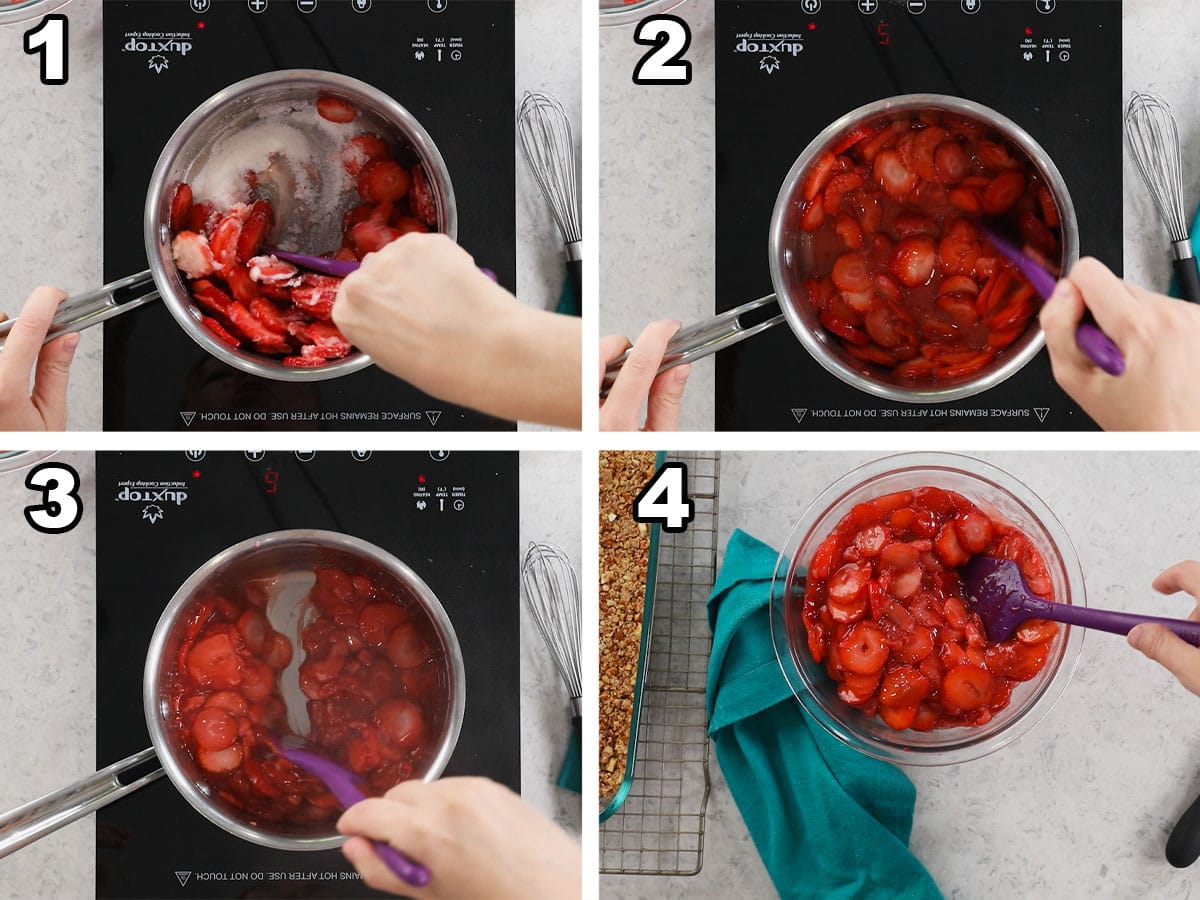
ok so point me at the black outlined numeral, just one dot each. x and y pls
(664, 500)
(61, 508)
(48, 39)
(670, 37)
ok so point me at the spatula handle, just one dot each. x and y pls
(1113, 622)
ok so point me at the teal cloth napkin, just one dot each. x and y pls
(828, 822)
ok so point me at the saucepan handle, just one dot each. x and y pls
(39, 817)
(703, 339)
(80, 311)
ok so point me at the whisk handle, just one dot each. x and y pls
(572, 305)
(1189, 278)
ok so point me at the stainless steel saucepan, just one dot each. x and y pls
(280, 554)
(788, 261)
(222, 115)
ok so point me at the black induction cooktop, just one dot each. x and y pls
(449, 62)
(452, 517)
(786, 70)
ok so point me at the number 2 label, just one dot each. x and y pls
(664, 500)
(49, 40)
(61, 508)
(670, 37)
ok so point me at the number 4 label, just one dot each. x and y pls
(665, 64)
(49, 39)
(664, 500)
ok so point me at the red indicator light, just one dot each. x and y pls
(195, 473)
(420, 479)
(1028, 32)
(812, 26)
(200, 25)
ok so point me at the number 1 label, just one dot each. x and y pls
(49, 40)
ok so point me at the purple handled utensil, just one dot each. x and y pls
(1095, 344)
(341, 784)
(998, 592)
(338, 268)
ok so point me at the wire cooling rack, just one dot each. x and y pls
(660, 828)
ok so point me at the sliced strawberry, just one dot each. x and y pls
(843, 329)
(1003, 193)
(992, 157)
(361, 150)
(213, 662)
(421, 198)
(255, 230)
(959, 248)
(851, 273)
(849, 231)
(974, 530)
(219, 331)
(903, 686)
(839, 185)
(862, 649)
(924, 144)
(303, 362)
(371, 236)
(336, 109)
(241, 285)
(402, 723)
(264, 340)
(884, 327)
(855, 136)
(968, 687)
(225, 240)
(316, 294)
(270, 270)
(268, 314)
(211, 297)
(203, 218)
(1049, 208)
(966, 199)
(812, 215)
(891, 172)
(181, 207)
(192, 254)
(948, 549)
(951, 163)
(1036, 631)
(898, 718)
(383, 180)
(959, 308)
(818, 176)
(914, 261)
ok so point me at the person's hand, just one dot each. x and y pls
(638, 383)
(422, 310)
(1166, 648)
(1160, 388)
(476, 837)
(45, 407)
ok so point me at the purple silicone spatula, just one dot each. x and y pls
(1094, 343)
(338, 268)
(342, 785)
(998, 592)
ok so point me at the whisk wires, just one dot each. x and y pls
(551, 592)
(546, 138)
(1154, 142)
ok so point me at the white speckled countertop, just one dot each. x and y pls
(1081, 805)
(51, 171)
(657, 165)
(48, 661)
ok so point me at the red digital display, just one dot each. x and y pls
(884, 37)
(271, 480)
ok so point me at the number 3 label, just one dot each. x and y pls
(664, 500)
(60, 509)
(670, 37)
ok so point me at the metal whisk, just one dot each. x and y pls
(551, 592)
(546, 138)
(1154, 142)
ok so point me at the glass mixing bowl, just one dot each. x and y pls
(998, 494)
